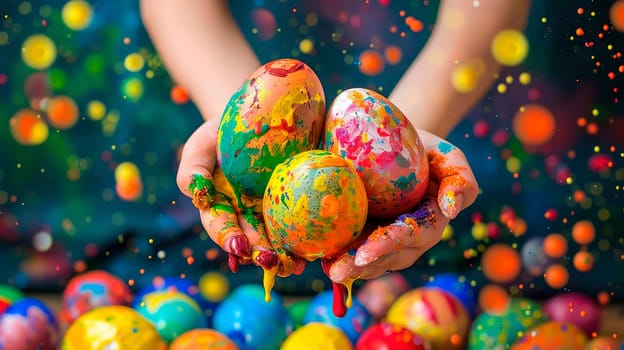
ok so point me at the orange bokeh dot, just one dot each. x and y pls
(555, 245)
(579, 196)
(556, 276)
(28, 128)
(534, 125)
(583, 232)
(371, 62)
(494, 299)
(414, 24)
(393, 54)
(62, 112)
(129, 189)
(604, 298)
(616, 14)
(179, 95)
(501, 263)
(583, 261)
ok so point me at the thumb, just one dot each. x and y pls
(197, 163)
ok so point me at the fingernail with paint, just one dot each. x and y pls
(364, 257)
(265, 258)
(202, 191)
(233, 262)
(451, 204)
(238, 245)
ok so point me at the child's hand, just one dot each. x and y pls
(396, 246)
(232, 221)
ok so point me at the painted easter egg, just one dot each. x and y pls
(604, 343)
(8, 295)
(203, 339)
(459, 287)
(552, 335)
(29, 324)
(278, 112)
(252, 323)
(93, 289)
(315, 205)
(433, 313)
(390, 336)
(576, 308)
(501, 330)
(353, 323)
(383, 146)
(112, 327)
(163, 309)
(378, 294)
(319, 336)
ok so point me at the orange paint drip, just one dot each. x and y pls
(349, 286)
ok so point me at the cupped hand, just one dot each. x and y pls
(233, 221)
(398, 244)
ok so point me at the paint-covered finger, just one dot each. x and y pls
(197, 163)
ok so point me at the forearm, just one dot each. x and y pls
(462, 33)
(202, 47)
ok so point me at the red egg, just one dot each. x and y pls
(390, 336)
(367, 129)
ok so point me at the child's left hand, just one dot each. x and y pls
(396, 246)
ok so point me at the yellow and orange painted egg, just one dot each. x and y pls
(369, 131)
(278, 112)
(315, 205)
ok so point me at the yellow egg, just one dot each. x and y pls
(77, 14)
(317, 336)
(510, 47)
(38, 51)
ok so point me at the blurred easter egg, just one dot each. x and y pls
(297, 311)
(501, 330)
(164, 310)
(534, 258)
(112, 327)
(90, 290)
(459, 287)
(8, 296)
(317, 336)
(604, 343)
(390, 336)
(378, 294)
(353, 323)
(277, 113)
(175, 284)
(214, 286)
(552, 335)
(29, 324)
(315, 204)
(203, 339)
(250, 322)
(433, 313)
(576, 308)
(367, 129)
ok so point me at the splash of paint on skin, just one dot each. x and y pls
(202, 190)
(445, 147)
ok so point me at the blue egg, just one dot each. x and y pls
(33, 321)
(182, 285)
(245, 317)
(353, 324)
(459, 288)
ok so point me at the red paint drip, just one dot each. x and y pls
(340, 294)
(282, 68)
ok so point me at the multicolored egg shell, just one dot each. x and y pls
(278, 112)
(8, 295)
(29, 324)
(378, 294)
(383, 146)
(112, 327)
(500, 331)
(432, 313)
(315, 205)
(552, 335)
(203, 339)
(577, 308)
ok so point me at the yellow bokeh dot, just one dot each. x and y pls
(447, 233)
(96, 110)
(479, 231)
(306, 46)
(501, 88)
(133, 88)
(513, 165)
(510, 47)
(214, 286)
(524, 78)
(28, 128)
(38, 51)
(77, 14)
(127, 171)
(465, 77)
(134, 62)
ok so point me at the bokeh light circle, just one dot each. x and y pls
(371, 63)
(28, 128)
(38, 51)
(77, 14)
(510, 47)
(501, 263)
(534, 125)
